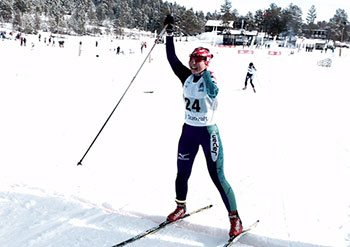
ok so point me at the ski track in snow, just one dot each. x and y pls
(58, 220)
(286, 148)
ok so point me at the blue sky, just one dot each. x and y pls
(325, 8)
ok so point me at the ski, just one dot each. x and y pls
(159, 227)
(233, 240)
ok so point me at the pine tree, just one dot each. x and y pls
(273, 20)
(20, 5)
(104, 10)
(118, 29)
(17, 21)
(78, 19)
(28, 23)
(311, 15)
(338, 25)
(310, 19)
(37, 7)
(6, 10)
(226, 13)
(259, 20)
(190, 22)
(201, 22)
(249, 21)
(55, 14)
(149, 15)
(37, 22)
(125, 16)
(293, 20)
(155, 18)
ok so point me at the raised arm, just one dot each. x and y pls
(180, 70)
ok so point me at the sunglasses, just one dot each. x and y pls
(198, 59)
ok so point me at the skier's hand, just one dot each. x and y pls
(169, 23)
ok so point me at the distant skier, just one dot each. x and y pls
(96, 44)
(200, 95)
(80, 44)
(143, 45)
(250, 76)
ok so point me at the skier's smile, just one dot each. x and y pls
(197, 64)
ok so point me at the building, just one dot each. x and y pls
(239, 37)
(316, 33)
(230, 36)
(216, 25)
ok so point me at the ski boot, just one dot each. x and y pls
(178, 213)
(244, 88)
(236, 224)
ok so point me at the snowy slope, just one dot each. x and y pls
(286, 147)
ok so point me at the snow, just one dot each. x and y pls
(286, 147)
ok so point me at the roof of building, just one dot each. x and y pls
(217, 23)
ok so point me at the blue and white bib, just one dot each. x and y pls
(199, 107)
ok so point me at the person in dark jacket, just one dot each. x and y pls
(250, 76)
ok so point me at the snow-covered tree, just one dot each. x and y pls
(249, 21)
(28, 23)
(37, 22)
(77, 15)
(274, 23)
(17, 21)
(259, 20)
(20, 6)
(293, 20)
(310, 19)
(104, 10)
(6, 10)
(338, 25)
(226, 13)
(77, 22)
(125, 15)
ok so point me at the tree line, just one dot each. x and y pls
(288, 21)
(111, 16)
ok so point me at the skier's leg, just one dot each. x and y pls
(251, 83)
(245, 82)
(213, 151)
(215, 161)
(187, 150)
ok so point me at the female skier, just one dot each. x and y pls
(250, 75)
(200, 95)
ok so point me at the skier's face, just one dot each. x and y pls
(197, 64)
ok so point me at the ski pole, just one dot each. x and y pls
(156, 41)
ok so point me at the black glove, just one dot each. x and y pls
(169, 20)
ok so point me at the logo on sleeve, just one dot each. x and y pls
(214, 146)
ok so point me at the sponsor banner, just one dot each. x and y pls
(227, 46)
(245, 52)
(274, 53)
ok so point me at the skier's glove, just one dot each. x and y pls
(169, 21)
